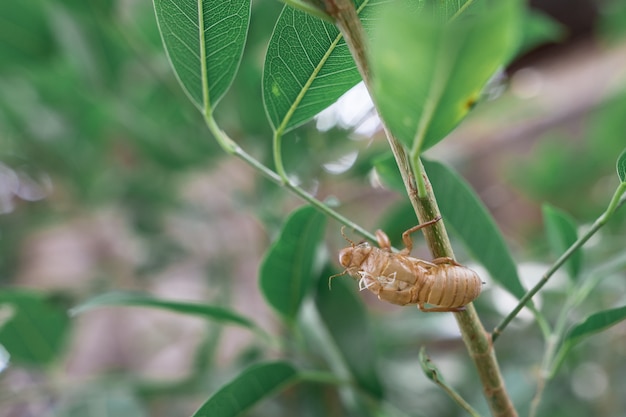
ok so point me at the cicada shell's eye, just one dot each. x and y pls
(354, 256)
(345, 257)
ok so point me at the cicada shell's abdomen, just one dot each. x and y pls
(450, 286)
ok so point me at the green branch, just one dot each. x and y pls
(615, 203)
(553, 357)
(230, 147)
(278, 159)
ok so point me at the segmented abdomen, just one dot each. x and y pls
(448, 286)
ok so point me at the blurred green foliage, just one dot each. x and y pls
(92, 103)
(92, 117)
(548, 174)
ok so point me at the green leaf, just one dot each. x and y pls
(539, 28)
(388, 171)
(25, 35)
(444, 10)
(288, 269)
(345, 317)
(463, 210)
(310, 7)
(134, 299)
(204, 41)
(396, 220)
(251, 386)
(33, 326)
(561, 232)
(307, 66)
(595, 323)
(428, 75)
(621, 166)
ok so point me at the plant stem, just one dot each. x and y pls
(616, 202)
(477, 340)
(552, 357)
(548, 358)
(312, 324)
(324, 377)
(434, 375)
(462, 9)
(457, 398)
(230, 147)
(278, 159)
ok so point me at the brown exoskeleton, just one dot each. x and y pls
(401, 279)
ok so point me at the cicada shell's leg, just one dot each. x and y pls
(445, 261)
(343, 228)
(330, 278)
(406, 236)
(383, 240)
(424, 264)
(439, 309)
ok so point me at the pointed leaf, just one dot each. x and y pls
(288, 269)
(204, 41)
(346, 319)
(595, 323)
(251, 386)
(135, 299)
(561, 232)
(308, 66)
(428, 74)
(33, 326)
(621, 166)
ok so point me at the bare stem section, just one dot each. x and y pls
(477, 340)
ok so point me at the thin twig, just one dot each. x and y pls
(434, 375)
(615, 203)
(552, 357)
(230, 147)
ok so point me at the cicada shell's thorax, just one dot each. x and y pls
(392, 277)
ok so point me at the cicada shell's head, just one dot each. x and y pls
(353, 257)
